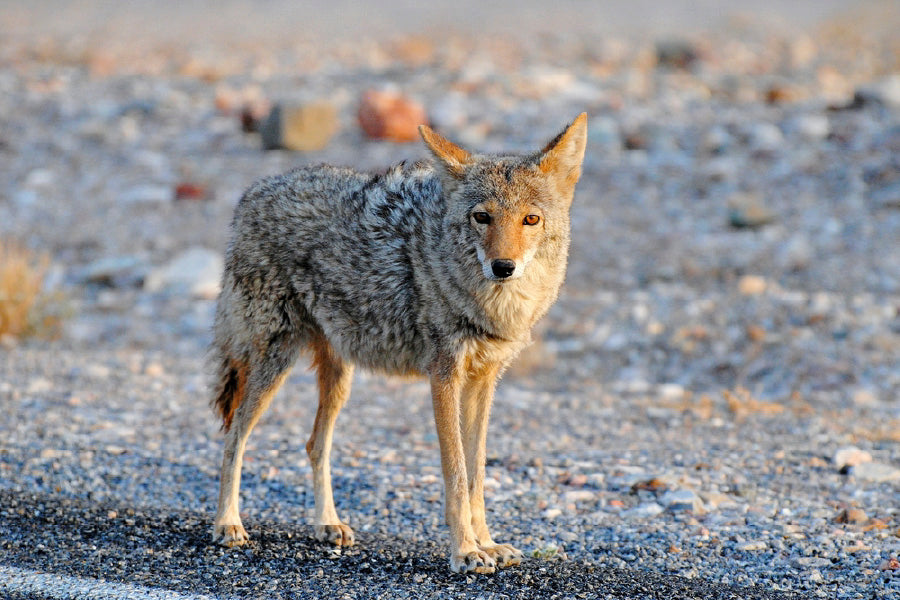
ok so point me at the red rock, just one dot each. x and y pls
(385, 115)
(190, 191)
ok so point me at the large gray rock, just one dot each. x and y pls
(196, 271)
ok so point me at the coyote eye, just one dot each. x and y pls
(531, 220)
(481, 217)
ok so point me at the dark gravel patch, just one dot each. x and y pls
(173, 551)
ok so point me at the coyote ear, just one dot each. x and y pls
(453, 158)
(562, 157)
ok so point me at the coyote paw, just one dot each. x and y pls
(472, 562)
(230, 535)
(339, 535)
(503, 554)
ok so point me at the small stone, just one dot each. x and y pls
(676, 54)
(851, 515)
(190, 191)
(810, 562)
(682, 500)
(756, 333)
(891, 564)
(850, 456)
(651, 485)
(865, 397)
(752, 546)
(783, 93)
(885, 92)
(112, 514)
(765, 137)
(552, 513)
(574, 496)
(391, 116)
(300, 127)
(714, 500)
(752, 285)
(811, 127)
(748, 210)
(876, 472)
(643, 511)
(154, 369)
(111, 270)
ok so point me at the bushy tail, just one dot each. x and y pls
(228, 385)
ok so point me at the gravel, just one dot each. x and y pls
(711, 409)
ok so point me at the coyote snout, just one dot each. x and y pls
(509, 237)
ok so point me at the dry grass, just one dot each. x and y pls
(24, 308)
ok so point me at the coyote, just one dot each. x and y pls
(434, 269)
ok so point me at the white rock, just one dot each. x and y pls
(575, 496)
(885, 91)
(752, 546)
(643, 511)
(197, 271)
(765, 137)
(681, 500)
(876, 472)
(811, 127)
(850, 456)
(107, 269)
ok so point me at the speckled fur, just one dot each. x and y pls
(388, 272)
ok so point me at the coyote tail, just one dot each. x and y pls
(228, 386)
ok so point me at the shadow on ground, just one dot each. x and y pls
(172, 550)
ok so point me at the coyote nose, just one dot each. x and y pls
(503, 267)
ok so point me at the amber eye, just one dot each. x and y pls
(531, 220)
(481, 217)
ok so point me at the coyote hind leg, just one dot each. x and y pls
(334, 376)
(258, 381)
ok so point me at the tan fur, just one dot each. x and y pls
(437, 270)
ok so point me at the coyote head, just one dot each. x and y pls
(510, 208)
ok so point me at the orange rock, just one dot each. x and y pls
(385, 115)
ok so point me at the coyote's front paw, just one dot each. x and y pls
(476, 561)
(503, 554)
(339, 535)
(230, 535)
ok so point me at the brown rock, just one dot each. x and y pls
(385, 115)
(851, 515)
(303, 127)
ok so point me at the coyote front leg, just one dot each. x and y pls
(334, 376)
(465, 555)
(478, 394)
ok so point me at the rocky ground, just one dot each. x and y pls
(712, 404)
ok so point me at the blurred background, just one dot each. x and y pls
(734, 279)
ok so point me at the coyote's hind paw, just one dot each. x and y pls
(503, 554)
(230, 535)
(339, 535)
